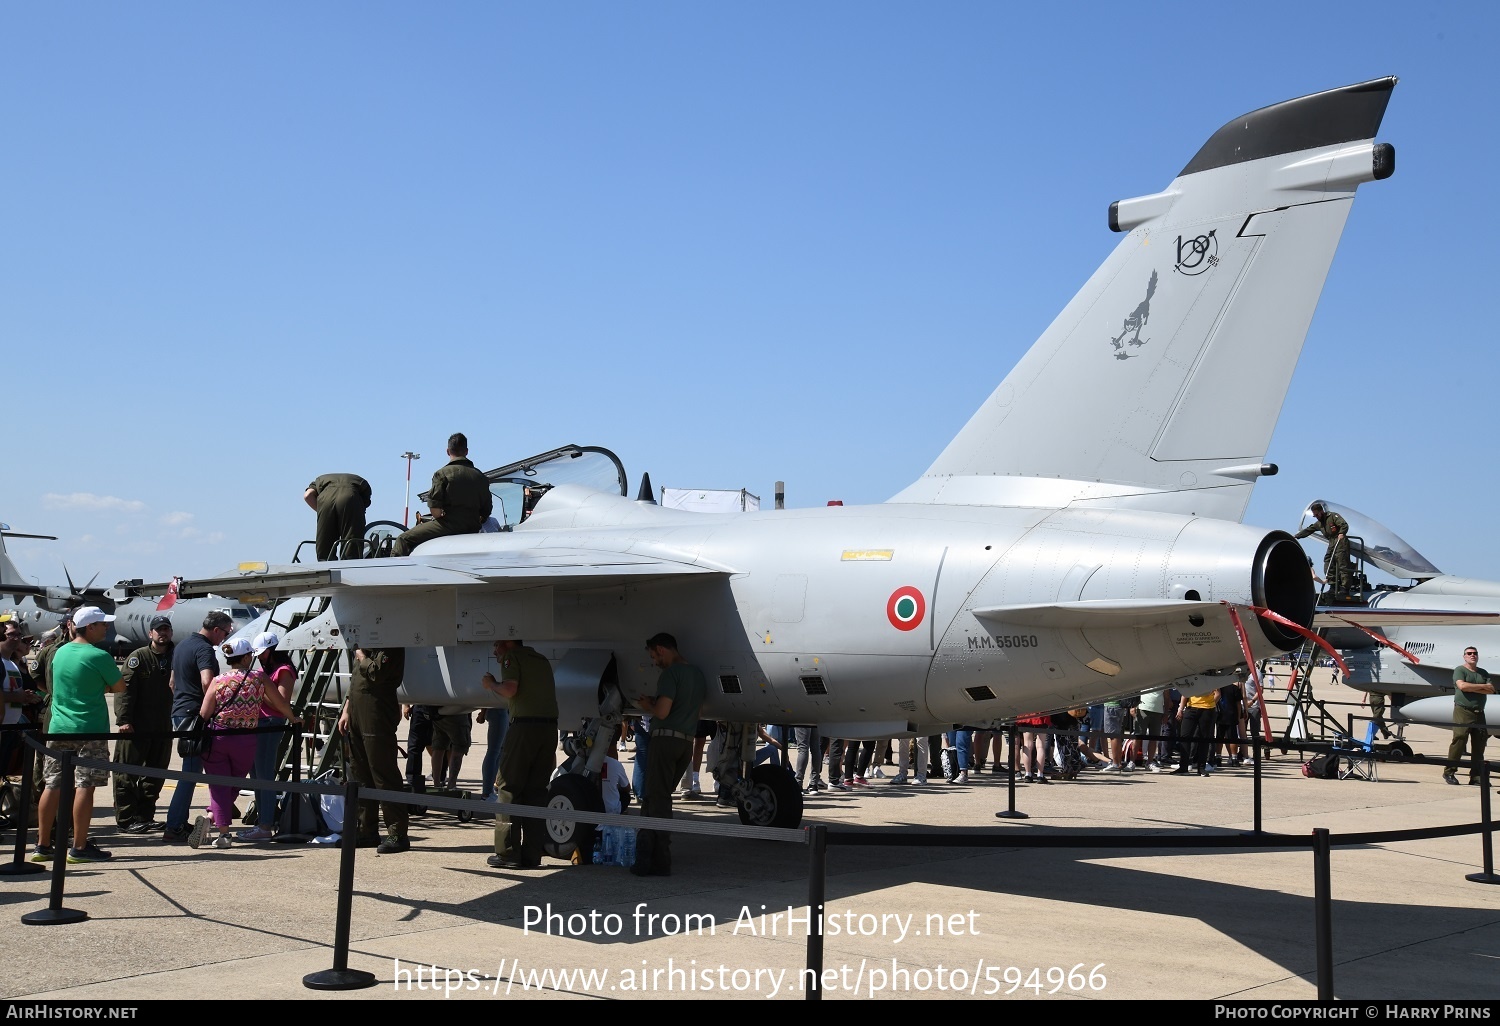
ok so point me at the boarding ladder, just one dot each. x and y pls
(1310, 719)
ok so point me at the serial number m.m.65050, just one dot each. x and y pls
(1004, 641)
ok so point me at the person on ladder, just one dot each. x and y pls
(1338, 568)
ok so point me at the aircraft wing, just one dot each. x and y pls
(1347, 616)
(526, 568)
(1101, 613)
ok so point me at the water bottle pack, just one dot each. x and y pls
(614, 846)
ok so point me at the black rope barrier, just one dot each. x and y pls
(818, 837)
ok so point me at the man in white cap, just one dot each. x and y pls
(82, 674)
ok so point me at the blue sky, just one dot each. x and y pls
(244, 245)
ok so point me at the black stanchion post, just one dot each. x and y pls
(1486, 836)
(1010, 812)
(341, 977)
(1256, 776)
(18, 866)
(1323, 911)
(817, 880)
(54, 914)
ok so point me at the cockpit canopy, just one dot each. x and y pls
(1375, 543)
(518, 487)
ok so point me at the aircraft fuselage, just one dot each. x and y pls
(842, 615)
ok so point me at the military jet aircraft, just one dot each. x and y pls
(1078, 539)
(1410, 635)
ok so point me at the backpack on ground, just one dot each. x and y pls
(1322, 767)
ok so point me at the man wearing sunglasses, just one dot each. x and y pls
(195, 663)
(1470, 686)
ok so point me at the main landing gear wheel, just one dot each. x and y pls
(571, 793)
(774, 799)
(1398, 751)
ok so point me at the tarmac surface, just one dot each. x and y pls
(168, 922)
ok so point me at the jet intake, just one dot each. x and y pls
(1282, 582)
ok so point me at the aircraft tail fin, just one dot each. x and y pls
(1159, 385)
(8, 572)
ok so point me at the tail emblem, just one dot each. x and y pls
(1202, 252)
(1135, 321)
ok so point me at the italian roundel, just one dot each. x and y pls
(905, 608)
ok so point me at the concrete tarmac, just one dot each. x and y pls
(168, 922)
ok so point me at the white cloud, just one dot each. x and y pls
(174, 519)
(91, 502)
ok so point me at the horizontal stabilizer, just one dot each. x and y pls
(1100, 613)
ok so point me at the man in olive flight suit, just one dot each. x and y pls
(340, 501)
(145, 709)
(529, 754)
(369, 720)
(1337, 567)
(459, 499)
(1471, 686)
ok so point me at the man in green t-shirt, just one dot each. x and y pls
(529, 754)
(674, 713)
(82, 675)
(1471, 684)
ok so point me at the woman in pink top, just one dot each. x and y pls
(230, 702)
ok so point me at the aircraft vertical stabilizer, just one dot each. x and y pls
(1159, 385)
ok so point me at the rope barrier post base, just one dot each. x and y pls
(341, 977)
(1011, 813)
(1486, 836)
(54, 914)
(18, 866)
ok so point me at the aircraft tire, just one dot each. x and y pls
(778, 801)
(571, 793)
(1398, 751)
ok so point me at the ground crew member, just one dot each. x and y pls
(1338, 569)
(674, 711)
(340, 501)
(529, 754)
(459, 500)
(1471, 684)
(144, 708)
(368, 720)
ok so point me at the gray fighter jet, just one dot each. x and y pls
(1078, 539)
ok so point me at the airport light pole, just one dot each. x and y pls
(408, 456)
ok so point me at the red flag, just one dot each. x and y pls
(170, 598)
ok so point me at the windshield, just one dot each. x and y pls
(1372, 541)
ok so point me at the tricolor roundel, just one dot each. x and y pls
(905, 608)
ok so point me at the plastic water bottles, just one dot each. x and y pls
(604, 847)
(624, 846)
